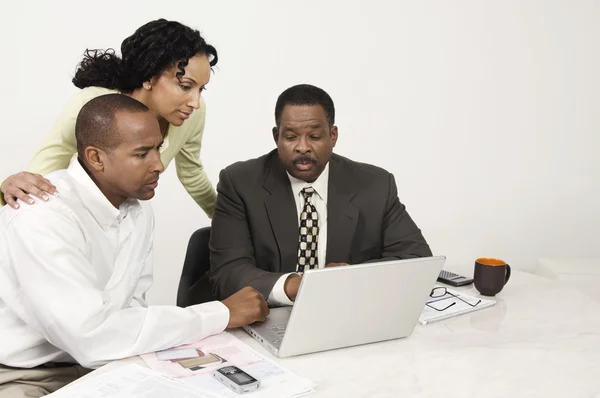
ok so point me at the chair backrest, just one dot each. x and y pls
(193, 284)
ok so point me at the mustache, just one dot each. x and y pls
(304, 159)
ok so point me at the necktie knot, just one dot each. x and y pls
(307, 193)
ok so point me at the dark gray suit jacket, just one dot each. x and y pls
(254, 237)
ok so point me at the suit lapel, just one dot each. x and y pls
(342, 216)
(282, 212)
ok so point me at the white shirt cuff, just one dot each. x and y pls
(215, 316)
(277, 297)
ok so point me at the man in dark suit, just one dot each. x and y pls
(301, 207)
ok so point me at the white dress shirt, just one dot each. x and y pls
(73, 274)
(319, 199)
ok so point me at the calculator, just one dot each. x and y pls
(452, 279)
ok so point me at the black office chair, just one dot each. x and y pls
(194, 286)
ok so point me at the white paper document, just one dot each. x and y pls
(130, 381)
(186, 372)
(275, 382)
(201, 357)
(194, 364)
(451, 304)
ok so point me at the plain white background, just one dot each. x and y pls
(487, 113)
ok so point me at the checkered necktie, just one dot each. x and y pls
(309, 233)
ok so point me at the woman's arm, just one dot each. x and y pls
(191, 171)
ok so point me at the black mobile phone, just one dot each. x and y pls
(452, 279)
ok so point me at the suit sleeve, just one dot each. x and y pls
(233, 265)
(401, 237)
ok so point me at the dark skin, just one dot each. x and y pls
(171, 98)
(305, 140)
(132, 169)
(305, 143)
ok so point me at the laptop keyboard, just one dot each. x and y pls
(279, 330)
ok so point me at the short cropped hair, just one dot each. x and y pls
(96, 122)
(305, 94)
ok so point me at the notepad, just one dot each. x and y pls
(430, 314)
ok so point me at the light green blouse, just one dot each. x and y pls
(182, 143)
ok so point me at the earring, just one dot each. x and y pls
(147, 86)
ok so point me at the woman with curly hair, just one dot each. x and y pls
(166, 66)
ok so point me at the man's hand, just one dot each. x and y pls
(245, 307)
(330, 265)
(291, 286)
(23, 184)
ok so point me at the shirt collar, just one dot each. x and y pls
(95, 201)
(320, 184)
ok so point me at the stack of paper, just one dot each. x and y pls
(193, 364)
(186, 372)
(130, 381)
(275, 382)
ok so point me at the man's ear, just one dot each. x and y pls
(334, 135)
(276, 135)
(95, 158)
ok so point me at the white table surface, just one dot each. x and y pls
(541, 339)
(581, 273)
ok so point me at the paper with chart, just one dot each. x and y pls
(194, 363)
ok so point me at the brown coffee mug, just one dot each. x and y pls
(490, 275)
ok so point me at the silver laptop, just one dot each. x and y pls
(351, 305)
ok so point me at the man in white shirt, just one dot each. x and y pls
(74, 270)
(302, 207)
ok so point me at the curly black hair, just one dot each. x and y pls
(153, 48)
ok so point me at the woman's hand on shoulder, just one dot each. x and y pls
(22, 185)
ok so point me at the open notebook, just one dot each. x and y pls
(430, 314)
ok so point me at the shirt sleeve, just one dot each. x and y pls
(146, 279)
(190, 170)
(63, 302)
(277, 297)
